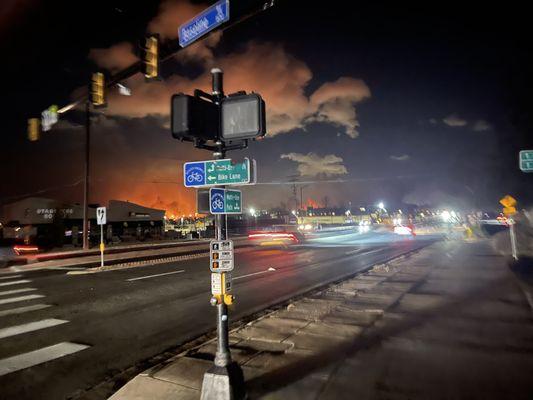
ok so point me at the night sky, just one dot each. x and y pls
(404, 104)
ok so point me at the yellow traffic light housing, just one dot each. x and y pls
(34, 129)
(150, 57)
(98, 89)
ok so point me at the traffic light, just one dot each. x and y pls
(193, 118)
(98, 89)
(34, 129)
(150, 57)
(242, 117)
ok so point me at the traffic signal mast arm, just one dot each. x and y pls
(246, 9)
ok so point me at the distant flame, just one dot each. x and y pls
(312, 203)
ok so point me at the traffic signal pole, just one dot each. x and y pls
(225, 380)
(86, 175)
(223, 355)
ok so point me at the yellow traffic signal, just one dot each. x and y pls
(150, 57)
(98, 89)
(34, 129)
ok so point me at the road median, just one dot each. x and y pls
(121, 258)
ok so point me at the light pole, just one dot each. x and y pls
(254, 215)
(86, 175)
(302, 196)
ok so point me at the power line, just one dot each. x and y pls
(44, 190)
(345, 180)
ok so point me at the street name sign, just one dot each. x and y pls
(526, 160)
(225, 201)
(217, 172)
(221, 255)
(101, 216)
(203, 23)
(220, 283)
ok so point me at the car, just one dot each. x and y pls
(277, 235)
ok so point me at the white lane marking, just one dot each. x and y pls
(255, 273)
(15, 282)
(6, 292)
(30, 327)
(10, 277)
(153, 276)
(36, 357)
(365, 252)
(20, 310)
(354, 251)
(20, 298)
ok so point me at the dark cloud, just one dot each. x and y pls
(312, 164)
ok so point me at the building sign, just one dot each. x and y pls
(48, 213)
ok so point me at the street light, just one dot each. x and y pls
(252, 212)
(381, 205)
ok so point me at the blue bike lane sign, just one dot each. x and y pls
(217, 203)
(194, 174)
(225, 201)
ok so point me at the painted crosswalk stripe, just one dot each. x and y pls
(14, 291)
(20, 298)
(30, 327)
(36, 357)
(20, 310)
(3, 278)
(15, 282)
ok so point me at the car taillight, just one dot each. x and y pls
(273, 236)
(20, 249)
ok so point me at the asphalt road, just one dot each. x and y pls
(66, 333)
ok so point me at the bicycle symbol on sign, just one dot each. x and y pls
(194, 177)
(218, 204)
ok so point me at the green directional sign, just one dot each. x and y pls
(219, 172)
(526, 160)
(223, 172)
(233, 201)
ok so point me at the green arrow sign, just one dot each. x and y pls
(526, 160)
(223, 172)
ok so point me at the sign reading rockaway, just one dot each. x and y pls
(204, 22)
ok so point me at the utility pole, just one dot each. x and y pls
(86, 175)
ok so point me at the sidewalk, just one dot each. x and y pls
(449, 322)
